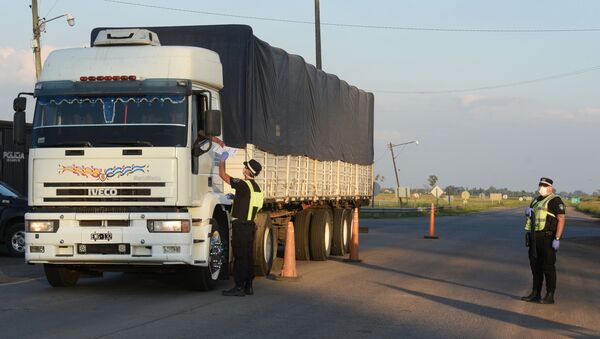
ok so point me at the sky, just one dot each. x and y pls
(503, 137)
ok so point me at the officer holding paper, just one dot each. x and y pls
(247, 202)
(544, 228)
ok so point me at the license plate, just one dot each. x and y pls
(101, 236)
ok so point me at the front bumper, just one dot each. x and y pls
(99, 243)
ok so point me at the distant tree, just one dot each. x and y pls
(432, 180)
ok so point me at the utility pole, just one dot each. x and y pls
(36, 39)
(318, 33)
(391, 146)
(396, 173)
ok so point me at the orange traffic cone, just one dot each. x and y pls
(431, 234)
(354, 244)
(288, 271)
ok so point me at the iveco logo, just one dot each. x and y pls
(102, 191)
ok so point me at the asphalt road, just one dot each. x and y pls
(466, 284)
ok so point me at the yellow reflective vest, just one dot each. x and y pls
(256, 201)
(541, 213)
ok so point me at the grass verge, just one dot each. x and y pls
(589, 207)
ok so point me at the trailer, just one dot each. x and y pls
(123, 174)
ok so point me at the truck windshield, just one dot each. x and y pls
(110, 121)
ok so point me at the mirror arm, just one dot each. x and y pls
(24, 93)
(196, 148)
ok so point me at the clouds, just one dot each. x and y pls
(17, 74)
(17, 65)
(524, 108)
(490, 103)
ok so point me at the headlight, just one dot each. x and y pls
(41, 226)
(181, 226)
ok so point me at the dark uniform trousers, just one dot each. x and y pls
(542, 265)
(243, 251)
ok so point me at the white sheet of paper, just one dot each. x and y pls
(219, 150)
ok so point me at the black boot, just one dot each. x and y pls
(548, 299)
(534, 296)
(248, 289)
(234, 292)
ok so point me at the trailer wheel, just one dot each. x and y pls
(348, 215)
(59, 276)
(341, 227)
(302, 233)
(265, 244)
(205, 278)
(320, 234)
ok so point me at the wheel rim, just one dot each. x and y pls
(216, 255)
(17, 241)
(327, 233)
(268, 246)
(345, 232)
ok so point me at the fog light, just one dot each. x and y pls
(122, 248)
(36, 249)
(82, 248)
(171, 249)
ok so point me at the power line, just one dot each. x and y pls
(510, 84)
(385, 27)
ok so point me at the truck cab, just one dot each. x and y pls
(121, 169)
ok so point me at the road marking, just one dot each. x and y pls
(20, 282)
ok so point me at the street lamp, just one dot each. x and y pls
(391, 147)
(39, 26)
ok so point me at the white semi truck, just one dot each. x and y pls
(123, 175)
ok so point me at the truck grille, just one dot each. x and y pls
(103, 192)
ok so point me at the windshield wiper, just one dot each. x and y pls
(130, 143)
(68, 144)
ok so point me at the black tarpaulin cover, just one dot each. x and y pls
(278, 102)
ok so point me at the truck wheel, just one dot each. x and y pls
(341, 227)
(348, 215)
(15, 239)
(60, 276)
(320, 234)
(205, 278)
(265, 245)
(302, 233)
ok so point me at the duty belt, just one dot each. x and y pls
(546, 233)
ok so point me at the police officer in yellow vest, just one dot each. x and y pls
(544, 228)
(247, 202)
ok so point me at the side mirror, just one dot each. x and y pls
(19, 127)
(212, 123)
(20, 104)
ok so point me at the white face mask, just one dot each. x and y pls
(543, 191)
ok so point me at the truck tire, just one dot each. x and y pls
(341, 227)
(15, 239)
(302, 233)
(349, 216)
(265, 244)
(205, 278)
(320, 234)
(60, 276)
